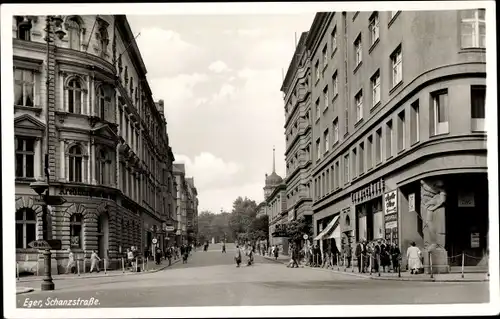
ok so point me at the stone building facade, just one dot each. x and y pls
(186, 229)
(398, 122)
(109, 154)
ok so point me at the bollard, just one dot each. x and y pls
(463, 259)
(136, 264)
(78, 267)
(430, 265)
(105, 265)
(123, 266)
(17, 270)
(362, 264)
(144, 268)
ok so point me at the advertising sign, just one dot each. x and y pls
(411, 202)
(391, 202)
(474, 240)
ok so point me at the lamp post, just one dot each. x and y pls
(42, 188)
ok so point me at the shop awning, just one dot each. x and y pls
(335, 234)
(327, 229)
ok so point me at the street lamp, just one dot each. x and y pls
(44, 187)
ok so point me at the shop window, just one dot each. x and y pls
(76, 231)
(75, 164)
(25, 157)
(25, 227)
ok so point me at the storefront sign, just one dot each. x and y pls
(280, 231)
(84, 191)
(391, 202)
(169, 228)
(391, 224)
(368, 192)
(466, 200)
(474, 240)
(411, 202)
(391, 218)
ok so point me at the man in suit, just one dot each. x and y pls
(361, 251)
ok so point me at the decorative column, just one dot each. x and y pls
(91, 163)
(62, 170)
(62, 106)
(433, 199)
(90, 89)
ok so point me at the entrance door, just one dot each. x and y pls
(103, 235)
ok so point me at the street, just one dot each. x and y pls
(212, 279)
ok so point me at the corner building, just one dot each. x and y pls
(109, 153)
(398, 109)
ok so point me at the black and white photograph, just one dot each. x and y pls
(249, 159)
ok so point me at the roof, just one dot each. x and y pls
(273, 179)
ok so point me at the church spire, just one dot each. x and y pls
(274, 160)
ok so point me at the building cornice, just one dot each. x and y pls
(318, 28)
(294, 63)
(128, 39)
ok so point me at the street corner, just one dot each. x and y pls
(24, 290)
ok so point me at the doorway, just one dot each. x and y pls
(103, 235)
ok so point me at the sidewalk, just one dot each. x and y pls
(405, 276)
(151, 268)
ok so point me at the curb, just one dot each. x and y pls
(385, 278)
(24, 290)
(107, 275)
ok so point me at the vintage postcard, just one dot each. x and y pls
(249, 159)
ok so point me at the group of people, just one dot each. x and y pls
(248, 251)
(377, 254)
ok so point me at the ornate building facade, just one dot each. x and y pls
(399, 131)
(108, 148)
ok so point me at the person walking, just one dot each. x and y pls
(71, 262)
(360, 251)
(276, 252)
(385, 258)
(348, 255)
(169, 256)
(94, 261)
(223, 248)
(237, 257)
(395, 253)
(250, 257)
(158, 256)
(413, 255)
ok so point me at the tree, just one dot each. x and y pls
(244, 212)
(259, 228)
(296, 229)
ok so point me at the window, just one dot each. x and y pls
(374, 28)
(75, 226)
(316, 66)
(361, 158)
(375, 80)
(397, 66)
(75, 97)
(325, 56)
(23, 28)
(478, 110)
(326, 138)
(358, 99)
(101, 100)
(73, 28)
(325, 96)
(318, 111)
(24, 87)
(414, 122)
(75, 164)
(354, 158)
(369, 152)
(334, 39)
(388, 140)
(318, 149)
(358, 49)
(378, 146)
(335, 85)
(102, 169)
(401, 131)
(346, 169)
(103, 40)
(439, 118)
(25, 157)
(25, 227)
(337, 175)
(473, 28)
(335, 130)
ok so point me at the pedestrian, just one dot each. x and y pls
(223, 248)
(413, 255)
(158, 256)
(169, 256)
(237, 257)
(276, 252)
(185, 254)
(250, 257)
(94, 261)
(395, 257)
(71, 262)
(295, 256)
(385, 258)
(360, 251)
(348, 255)
(376, 256)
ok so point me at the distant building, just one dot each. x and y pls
(186, 228)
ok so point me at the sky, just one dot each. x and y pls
(220, 78)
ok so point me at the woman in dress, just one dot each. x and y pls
(413, 254)
(71, 262)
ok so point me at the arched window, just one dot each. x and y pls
(75, 97)
(75, 164)
(73, 33)
(101, 101)
(103, 40)
(23, 28)
(76, 231)
(25, 227)
(102, 168)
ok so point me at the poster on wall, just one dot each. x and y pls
(391, 202)
(474, 240)
(411, 202)
(391, 216)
